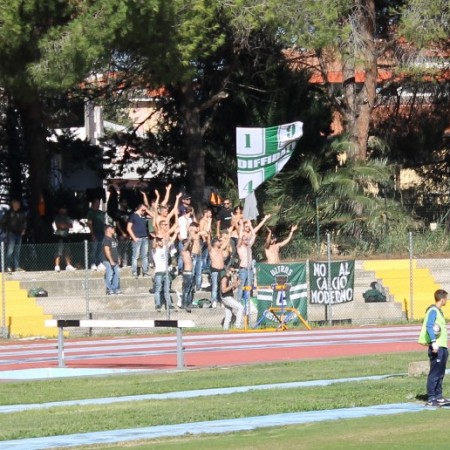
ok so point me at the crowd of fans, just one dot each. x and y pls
(211, 251)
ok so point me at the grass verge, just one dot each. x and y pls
(66, 420)
(157, 382)
(414, 431)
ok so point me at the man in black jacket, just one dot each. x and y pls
(14, 223)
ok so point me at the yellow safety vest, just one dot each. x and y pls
(424, 338)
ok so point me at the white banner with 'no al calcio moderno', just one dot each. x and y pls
(331, 283)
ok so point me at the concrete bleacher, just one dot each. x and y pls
(23, 316)
(428, 275)
(77, 295)
(73, 295)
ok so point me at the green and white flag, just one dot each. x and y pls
(263, 152)
(293, 276)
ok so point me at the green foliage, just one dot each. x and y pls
(165, 39)
(55, 44)
(72, 50)
(347, 200)
(308, 24)
(424, 22)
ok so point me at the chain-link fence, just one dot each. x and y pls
(334, 289)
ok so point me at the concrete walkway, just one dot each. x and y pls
(210, 427)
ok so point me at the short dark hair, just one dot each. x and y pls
(440, 294)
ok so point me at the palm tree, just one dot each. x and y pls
(347, 199)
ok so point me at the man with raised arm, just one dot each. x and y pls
(164, 214)
(272, 246)
(247, 236)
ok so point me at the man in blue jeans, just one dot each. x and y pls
(14, 223)
(96, 223)
(434, 335)
(217, 248)
(161, 251)
(111, 261)
(138, 231)
(247, 236)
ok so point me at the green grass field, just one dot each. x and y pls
(412, 430)
(421, 431)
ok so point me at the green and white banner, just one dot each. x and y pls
(294, 296)
(331, 283)
(263, 152)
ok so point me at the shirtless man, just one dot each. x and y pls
(197, 245)
(205, 223)
(249, 230)
(237, 219)
(165, 215)
(247, 236)
(205, 227)
(188, 276)
(272, 247)
(217, 253)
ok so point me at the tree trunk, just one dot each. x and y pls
(14, 160)
(36, 149)
(194, 147)
(359, 98)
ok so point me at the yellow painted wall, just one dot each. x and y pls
(395, 275)
(23, 316)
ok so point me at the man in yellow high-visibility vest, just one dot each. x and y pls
(434, 334)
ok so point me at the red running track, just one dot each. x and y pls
(154, 352)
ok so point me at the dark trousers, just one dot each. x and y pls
(438, 363)
(187, 288)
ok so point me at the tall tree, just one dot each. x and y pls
(190, 37)
(224, 86)
(345, 41)
(47, 47)
(333, 38)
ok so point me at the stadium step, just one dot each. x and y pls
(23, 316)
(395, 275)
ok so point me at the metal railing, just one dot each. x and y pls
(81, 293)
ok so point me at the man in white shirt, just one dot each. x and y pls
(161, 250)
(183, 233)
